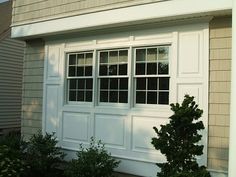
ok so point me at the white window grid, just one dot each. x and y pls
(131, 75)
(69, 78)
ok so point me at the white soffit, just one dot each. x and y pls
(140, 13)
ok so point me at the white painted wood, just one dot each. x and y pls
(191, 89)
(126, 129)
(75, 126)
(111, 130)
(190, 51)
(142, 132)
(53, 62)
(111, 18)
(51, 111)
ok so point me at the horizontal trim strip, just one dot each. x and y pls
(128, 15)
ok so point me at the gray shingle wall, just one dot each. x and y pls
(11, 66)
(32, 88)
(219, 93)
(26, 11)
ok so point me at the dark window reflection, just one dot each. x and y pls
(163, 98)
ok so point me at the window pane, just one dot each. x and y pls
(114, 84)
(140, 68)
(123, 56)
(72, 71)
(123, 69)
(140, 97)
(152, 54)
(163, 53)
(89, 96)
(88, 70)
(80, 71)
(113, 70)
(103, 57)
(123, 97)
(72, 59)
(141, 84)
(81, 83)
(103, 96)
(164, 83)
(89, 59)
(104, 83)
(123, 84)
(72, 96)
(151, 68)
(152, 98)
(152, 83)
(140, 54)
(72, 83)
(113, 57)
(163, 68)
(113, 97)
(80, 59)
(80, 96)
(89, 83)
(163, 98)
(103, 70)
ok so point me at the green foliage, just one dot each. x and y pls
(178, 140)
(43, 156)
(11, 162)
(93, 161)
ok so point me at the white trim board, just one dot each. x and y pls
(164, 10)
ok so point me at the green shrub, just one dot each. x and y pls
(10, 165)
(178, 140)
(12, 140)
(93, 161)
(11, 155)
(43, 156)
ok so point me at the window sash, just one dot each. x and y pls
(114, 95)
(86, 94)
(146, 96)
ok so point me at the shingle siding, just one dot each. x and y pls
(11, 66)
(32, 88)
(219, 93)
(31, 10)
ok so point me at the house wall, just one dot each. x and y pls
(32, 88)
(25, 11)
(219, 96)
(219, 91)
(11, 55)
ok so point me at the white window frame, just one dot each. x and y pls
(130, 75)
(134, 76)
(66, 85)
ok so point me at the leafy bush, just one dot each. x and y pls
(11, 155)
(178, 140)
(12, 140)
(10, 165)
(93, 161)
(43, 156)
